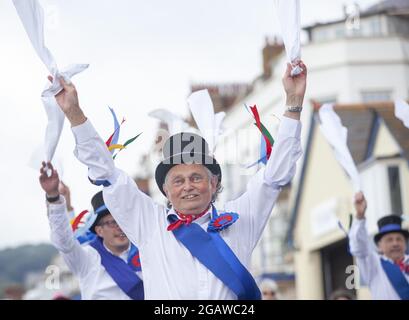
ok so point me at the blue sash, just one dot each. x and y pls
(122, 273)
(396, 278)
(213, 252)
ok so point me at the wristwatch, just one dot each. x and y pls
(294, 108)
(52, 199)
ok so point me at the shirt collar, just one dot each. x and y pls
(123, 255)
(405, 258)
(200, 220)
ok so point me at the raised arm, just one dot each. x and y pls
(359, 245)
(130, 207)
(64, 190)
(295, 91)
(256, 204)
(62, 236)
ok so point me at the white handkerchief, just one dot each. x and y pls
(210, 124)
(32, 17)
(288, 14)
(402, 112)
(175, 123)
(37, 156)
(336, 135)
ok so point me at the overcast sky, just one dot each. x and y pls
(142, 55)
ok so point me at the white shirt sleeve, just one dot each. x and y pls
(62, 237)
(133, 210)
(367, 259)
(256, 204)
(91, 150)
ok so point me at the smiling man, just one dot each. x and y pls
(387, 273)
(192, 250)
(107, 269)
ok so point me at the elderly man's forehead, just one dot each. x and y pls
(186, 170)
(393, 235)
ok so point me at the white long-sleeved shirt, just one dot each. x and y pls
(169, 269)
(369, 263)
(83, 261)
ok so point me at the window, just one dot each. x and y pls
(372, 96)
(335, 260)
(340, 32)
(320, 34)
(375, 26)
(394, 190)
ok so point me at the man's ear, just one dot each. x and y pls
(379, 246)
(98, 231)
(165, 189)
(214, 181)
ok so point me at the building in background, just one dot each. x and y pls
(362, 70)
(358, 60)
(379, 145)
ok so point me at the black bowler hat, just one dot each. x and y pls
(185, 148)
(388, 224)
(100, 210)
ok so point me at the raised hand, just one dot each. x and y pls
(67, 99)
(360, 205)
(49, 183)
(295, 86)
(65, 191)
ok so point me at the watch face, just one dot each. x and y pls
(294, 109)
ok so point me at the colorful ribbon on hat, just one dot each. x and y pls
(112, 145)
(76, 221)
(267, 140)
(113, 139)
(112, 142)
(127, 142)
(80, 226)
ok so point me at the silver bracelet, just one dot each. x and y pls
(294, 108)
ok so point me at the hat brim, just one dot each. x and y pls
(99, 217)
(379, 235)
(164, 166)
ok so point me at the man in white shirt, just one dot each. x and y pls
(107, 268)
(192, 251)
(387, 273)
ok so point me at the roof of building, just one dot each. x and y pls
(388, 6)
(391, 7)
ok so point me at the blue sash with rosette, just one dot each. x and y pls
(396, 278)
(122, 273)
(213, 252)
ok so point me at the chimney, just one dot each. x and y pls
(271, 52)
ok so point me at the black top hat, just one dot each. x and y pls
(100, 210)
(388, 224)
(185, 148)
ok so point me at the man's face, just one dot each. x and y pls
(189, 188)
(269, 295)
(393, 245)
(113, 236)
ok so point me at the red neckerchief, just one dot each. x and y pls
(185, 219)
(404, 267)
